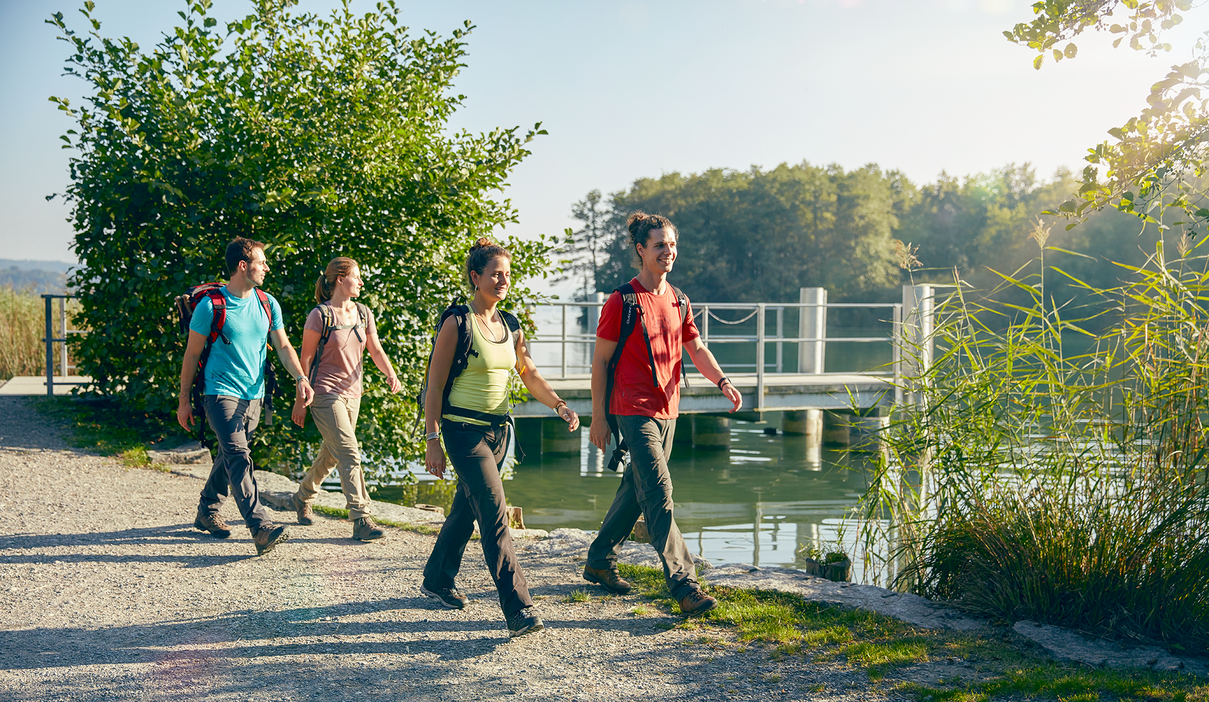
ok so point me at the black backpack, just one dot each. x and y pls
(461, 358)
(631, 316)
(328, 315)
(185, 305)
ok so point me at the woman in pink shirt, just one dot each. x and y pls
(336, 378)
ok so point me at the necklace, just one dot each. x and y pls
(487, 325)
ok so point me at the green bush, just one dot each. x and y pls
(320, 137)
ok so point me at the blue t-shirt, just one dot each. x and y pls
(237, 369)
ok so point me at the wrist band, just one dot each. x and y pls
(560, 403)
(301, 378)
(724, 379)
(432, 436)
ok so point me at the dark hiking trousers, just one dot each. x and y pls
(477, 453)
(646, 489)
(232, 419)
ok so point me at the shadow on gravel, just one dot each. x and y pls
(16, 543)
(248, 633)
(24, 428)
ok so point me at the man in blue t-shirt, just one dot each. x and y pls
(233, 388)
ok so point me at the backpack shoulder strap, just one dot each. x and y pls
(218, 302)
(514, 324)
(682, 303)
(264, 304)
(328, 321)
(362, 314)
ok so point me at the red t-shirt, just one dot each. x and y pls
(634, 392)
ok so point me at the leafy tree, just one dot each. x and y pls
(761, 235)
(318, 136)
(588, 248)
(1157, 160)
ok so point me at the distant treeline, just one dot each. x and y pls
(761, 235)
(33, 281)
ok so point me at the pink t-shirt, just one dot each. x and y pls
(339, 371)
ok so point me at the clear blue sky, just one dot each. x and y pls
(631, 89)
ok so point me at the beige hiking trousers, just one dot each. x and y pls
(336, 418)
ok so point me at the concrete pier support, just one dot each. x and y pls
(557, 440)
(808, 423)
(711, 432)
(836, 428)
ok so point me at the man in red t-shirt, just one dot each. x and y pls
(645, 402)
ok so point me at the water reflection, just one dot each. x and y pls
(756, 503)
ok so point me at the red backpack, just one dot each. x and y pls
(185, 305)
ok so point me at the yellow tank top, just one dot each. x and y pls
(483, 385)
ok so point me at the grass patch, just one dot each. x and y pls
(578, 595)
(1069, 684)
(135, 458)
(880, 645)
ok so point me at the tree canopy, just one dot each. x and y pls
(1156, 160)
(318, 136)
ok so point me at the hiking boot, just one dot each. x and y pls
(364, 529)
(697, 602)
(608, 578)
(447, 596)
(306, 515)
(268, 536)
(213, 524)
(523, 621)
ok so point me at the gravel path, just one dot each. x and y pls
(107, 592)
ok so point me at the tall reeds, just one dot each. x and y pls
(22, 328)
(1051, 464)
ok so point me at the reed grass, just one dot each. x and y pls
(1050, 465)
(22, 328)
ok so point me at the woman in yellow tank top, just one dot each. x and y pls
(477, 437)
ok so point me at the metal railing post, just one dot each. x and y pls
(760, 357)
(63, 334)
(50, 350)
(896, 363)
(564, 341)
(780, 335)
(705, 325)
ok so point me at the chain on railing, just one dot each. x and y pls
(706, 312)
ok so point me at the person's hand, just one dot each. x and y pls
(395, 385)
(598, 433)
(568, 415)
(732, 394)
(184, 414)
(434, 458)
(306, 394)
(299, 413)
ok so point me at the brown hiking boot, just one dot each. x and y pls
(306, 515)
(268, 536)
(697, 602)
(608, 578)
(213, 524)
(364, 529)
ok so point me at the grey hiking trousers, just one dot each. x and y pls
(232, 420)
(646, 489)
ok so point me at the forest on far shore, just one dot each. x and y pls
(760, 235)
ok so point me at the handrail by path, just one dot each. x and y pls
(50, 340)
